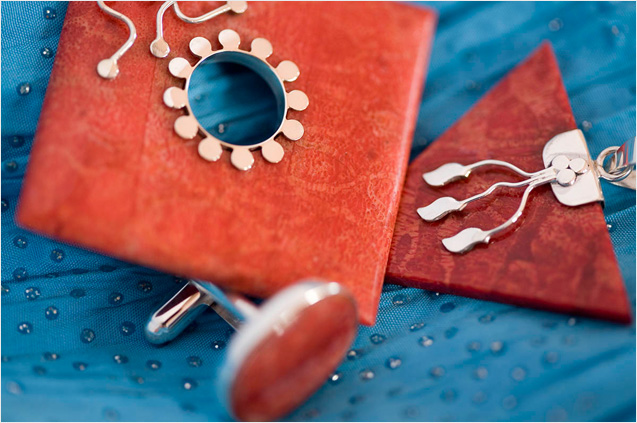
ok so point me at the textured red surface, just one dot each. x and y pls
(557, 258)
(286, 368)
(108, 172)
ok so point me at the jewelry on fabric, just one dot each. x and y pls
(286, 323)
(573, 175)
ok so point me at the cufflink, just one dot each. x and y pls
(283, 350)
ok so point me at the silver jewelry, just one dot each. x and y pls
(108, 68)
(160, 48)
(573, 175)
(187, 127)
(267, 325)
(210, 148)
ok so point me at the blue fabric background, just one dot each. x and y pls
(72, 321)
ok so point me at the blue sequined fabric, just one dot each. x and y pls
(72, 321)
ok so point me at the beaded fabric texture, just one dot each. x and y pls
(72, 321)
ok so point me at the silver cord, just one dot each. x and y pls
(562, 171)
(159, 48)
(445, 205)
(235, 6)
(451, 172)
(468, 238)
(108, 68)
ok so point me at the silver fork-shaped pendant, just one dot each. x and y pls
(573, 175)
(470, 237)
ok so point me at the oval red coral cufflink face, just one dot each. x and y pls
(283, 350)
(300, 337)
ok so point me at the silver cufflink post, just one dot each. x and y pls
(574, 177)
(282, 351)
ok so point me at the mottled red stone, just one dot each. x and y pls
(557, 258)
(288, 366)
(107, 171)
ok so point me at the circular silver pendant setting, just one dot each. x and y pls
(210, 147)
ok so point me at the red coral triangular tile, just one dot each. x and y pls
(557, 258)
